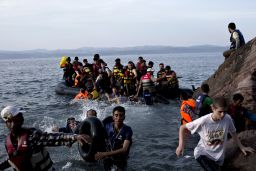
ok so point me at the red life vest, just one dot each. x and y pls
(23, 159)
(147, 83)
(20, 155)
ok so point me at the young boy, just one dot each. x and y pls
(120, 139)
(213, 130)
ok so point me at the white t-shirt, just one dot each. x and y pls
(213, 136)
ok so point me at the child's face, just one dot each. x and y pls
(72, 124)
(118, 117)
(218, 112)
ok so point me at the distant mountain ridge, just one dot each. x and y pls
(117, 50)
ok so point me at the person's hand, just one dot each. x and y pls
(179, 151)
(83, 138)
(247, 149)
(100, 155)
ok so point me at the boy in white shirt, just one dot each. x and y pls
(213, 130)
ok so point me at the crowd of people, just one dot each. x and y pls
(128, 80)
(211, 118)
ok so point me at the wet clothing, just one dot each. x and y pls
(29, 154)
(208, 164)
(213, 136)
(116, 141)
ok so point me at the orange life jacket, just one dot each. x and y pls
(81, 95)
(185, 117)
(76, 84)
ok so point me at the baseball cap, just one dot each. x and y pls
(11, 111)
(150, 70)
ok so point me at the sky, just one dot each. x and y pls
(71, 24)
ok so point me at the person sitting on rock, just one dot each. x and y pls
(236, 39)
(240, 114)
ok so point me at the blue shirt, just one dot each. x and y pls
(117, 139)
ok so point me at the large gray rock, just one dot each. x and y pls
(234, 159)
(237, 74)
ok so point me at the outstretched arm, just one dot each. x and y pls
(138, 89)
(40, 138)
(242, 148)
(180, 148)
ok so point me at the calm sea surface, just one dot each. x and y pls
(30, 83)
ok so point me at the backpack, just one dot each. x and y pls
(200, 109)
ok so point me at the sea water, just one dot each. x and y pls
(30, 83)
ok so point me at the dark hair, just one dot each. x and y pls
(76, 58)
(238, 96)
(150, 63)
(205, 88)
(82, 90)
(184, 95)
(232, 26)
(130, 62)
(140, 57)
(168, 67)
(220, 102)
(120, 109)
(70, 119)
(97, 56)
(92, 111)
(117, 60)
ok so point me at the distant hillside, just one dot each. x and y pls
(114, 51)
